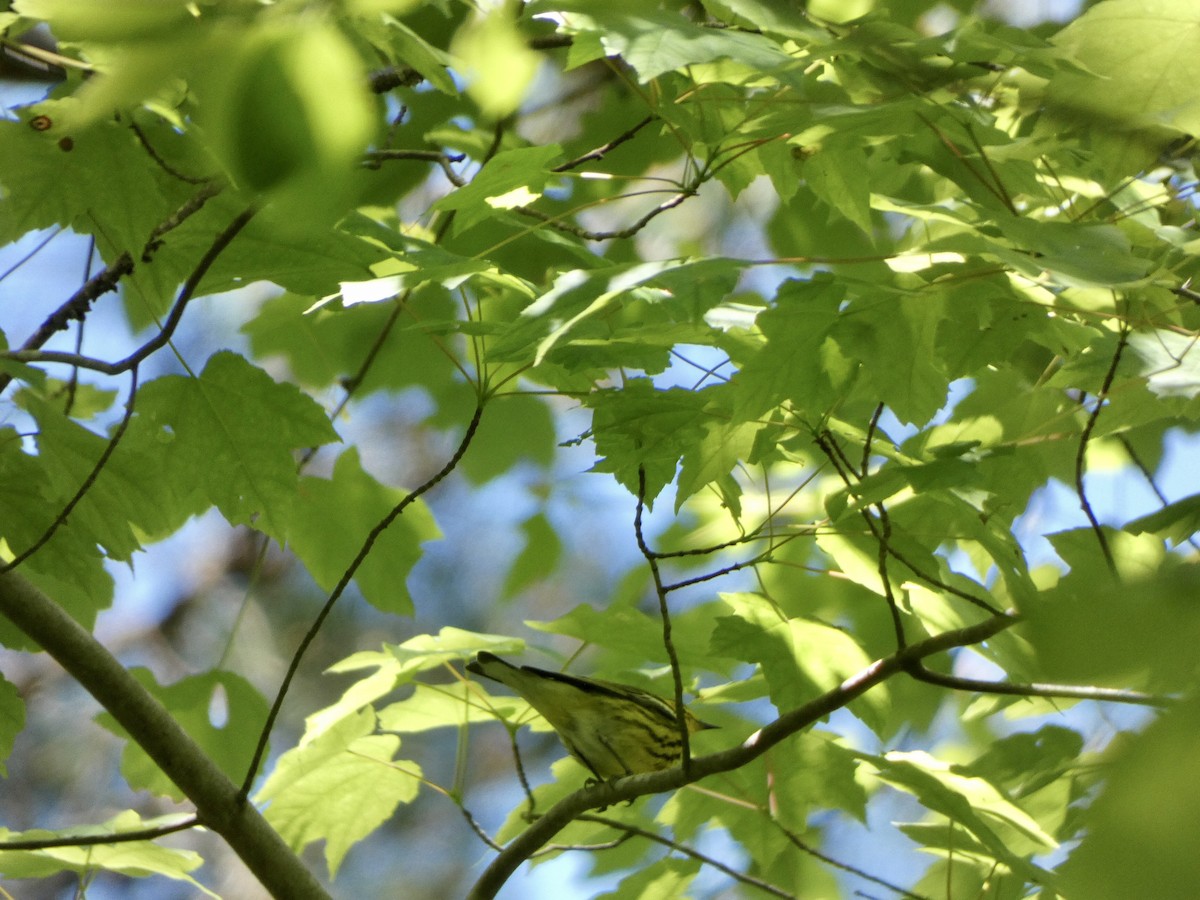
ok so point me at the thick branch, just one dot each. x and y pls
(609, 793)
(155, 731)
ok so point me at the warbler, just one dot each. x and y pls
(612, 729)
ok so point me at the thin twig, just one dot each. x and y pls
(220, 242)
(92, 840)
(193, 205)
(32, 253)
(845, 867)
(162, 163)
(1054, 691)
(65, 512)
(707, 860)
(601, 151)
(1149, 476)
(1081, 452)
(76, 307)
(310, 635)
(664, 611)
(588, 235)
(866, 457)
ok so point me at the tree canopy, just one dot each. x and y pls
(830, 370)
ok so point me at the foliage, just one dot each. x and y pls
(838, 304)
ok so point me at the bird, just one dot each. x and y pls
(612, 729)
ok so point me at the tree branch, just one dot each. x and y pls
(86, 486)
(310, 635)
(76, 308)
(1081, 452)
(685, 744)
(220, 242)
(92, 840)
(148, 723)
(1059, 691)
(611, 792)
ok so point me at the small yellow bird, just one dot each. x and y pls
(613, 729)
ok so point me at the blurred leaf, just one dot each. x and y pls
(497, 61)
(12, 719)
(513, 429)
(286, 125)
(538, 558)
(1144, 826)
(1142, 633)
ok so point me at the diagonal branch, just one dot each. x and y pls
(90, 480)
(220, 242)
(76, 307)
(147, 721)
(1081, 452)
(310, 635)
(609, 793)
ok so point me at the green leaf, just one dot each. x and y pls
(220, 711)
(128, 501)
(230, 434)
(1176, 521)
(630, 639)
(513, 429)
(537, 559)
(327, 344)
(724, 445)
(338, 787)
(657, 42)
(1140, 58)
(1075, 254)
(639, 427)
(434, 706)
(666, 879)
(1009, 833)
(1142, 828)
(896, 339)
(791, 364)
(12, 719)
(835, 174)
(116, 191)
(286, 127)
(121, 20)
(136, 859)
(1143, 633)
(332, 518)
(800, 658)
(497, 184)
